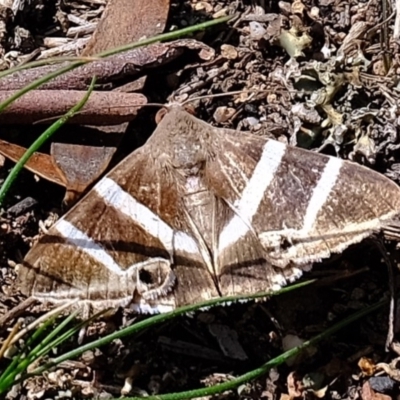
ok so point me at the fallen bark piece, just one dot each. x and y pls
(79, 166)
(40, 164)
(108, 71)
(120, 25)
(102, 108)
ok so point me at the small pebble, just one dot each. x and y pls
(257, 30)
(21, 207)
(229, 52)
(381, 384)
(223, 114)
(252, 121)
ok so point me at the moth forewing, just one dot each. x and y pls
(302, 205)
(199, 212)
(348, 204)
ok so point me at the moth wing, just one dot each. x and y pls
(302, 206)
(115, 246)
(243, 268)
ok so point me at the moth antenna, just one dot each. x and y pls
(232, 93)
(211, 96)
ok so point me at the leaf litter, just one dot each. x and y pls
(320, 75)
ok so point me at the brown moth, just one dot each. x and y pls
(199, 212)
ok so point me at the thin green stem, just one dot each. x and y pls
(42, 63)
(37, 83)
(39, 142)
(256, 373)
(150, 322)
(167, 36)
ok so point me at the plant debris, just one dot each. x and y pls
(320, 75)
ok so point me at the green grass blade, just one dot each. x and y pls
(258, 372)
(42, 63)
(37, 335)
(66, 335)
(47, 344)
(9, 371)
(217, 388)
(150, 322)
(43, 349)
(167, 36)
(30, 354)
(22, 360)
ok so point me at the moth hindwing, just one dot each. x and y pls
(199, 212)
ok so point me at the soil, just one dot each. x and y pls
(316, 74)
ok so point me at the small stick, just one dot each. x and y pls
(396, 29)
(393, 297)
(17, 311)
(7, 342)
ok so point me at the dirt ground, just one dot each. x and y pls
(322, 75)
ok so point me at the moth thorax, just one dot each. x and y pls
(187, 153)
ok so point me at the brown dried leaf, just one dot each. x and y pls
(40, 164)
(121, 23)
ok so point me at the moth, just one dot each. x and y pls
(199, 212)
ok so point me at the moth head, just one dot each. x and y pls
(183, 138)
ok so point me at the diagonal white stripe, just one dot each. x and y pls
(184, 242)
(88, 245)
(253, 193)
(114, 195)
(322, 191)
